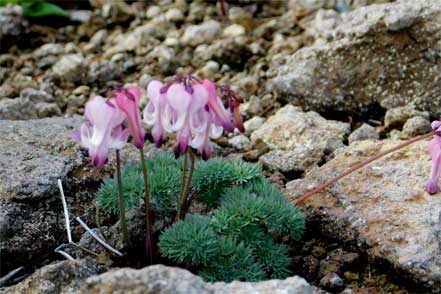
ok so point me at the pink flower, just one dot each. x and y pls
(193, 109)
(435, 152)
(184, 102)
(234, 101)
(204, 129)
(128, 101)
(220, 115)
(102, 130)
(154, 111)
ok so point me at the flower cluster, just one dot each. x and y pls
(435, 153)
(190, 107)
(102, 130)
(193, 109)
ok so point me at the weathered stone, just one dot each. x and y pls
(48, 49)
(290, 127)
(253, 124)
(385, 54)
(153, 11)
(102, 71)
(296, 161)
(210, 68)
(300, 138)
(396, 117)
(117, 11)
(97, 39)
(133, 39)
(239, 142)
(416, 126)
(203, 33)
(328, 267)
(59, 277)
(174, 15)
(81, 16)
(36, 95)
(364, 132)
(234, 30)
(332, 282)
(45, 109)
(323, 25)
(34, 154)
(162, 279)
(70, 68)
(18, 108)
(382, 208)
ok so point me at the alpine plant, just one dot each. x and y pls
(194, 110)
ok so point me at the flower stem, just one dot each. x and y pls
(148, 211)
(360, 165)
(122, 212)
(184, 174)
(183, 201)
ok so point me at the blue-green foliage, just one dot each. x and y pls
(164, 174)
(242, 228)
(236, 241)
(211, 178)
(133, 189)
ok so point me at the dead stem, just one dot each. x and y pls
(360, 165)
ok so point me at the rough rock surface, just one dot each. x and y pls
(163, 279)
(60, 277)
(387, 55)
(397, 116)
(416, 126)
(201, 34)
(33, 155)
(364, 132)
(382, 208)
(70, 68)
(300, 136)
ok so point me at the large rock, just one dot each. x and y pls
(387, 55)
(161, 279)
(299, 139)
(60, 277)
(382, 208)
(33, 155)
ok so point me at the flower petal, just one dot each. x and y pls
(222, 116)
(119, 137)
(128, 101)
(180, 100)
(199, 99)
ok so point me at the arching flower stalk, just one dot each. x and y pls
(194, 110)
(128, 102)
(102, 131)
